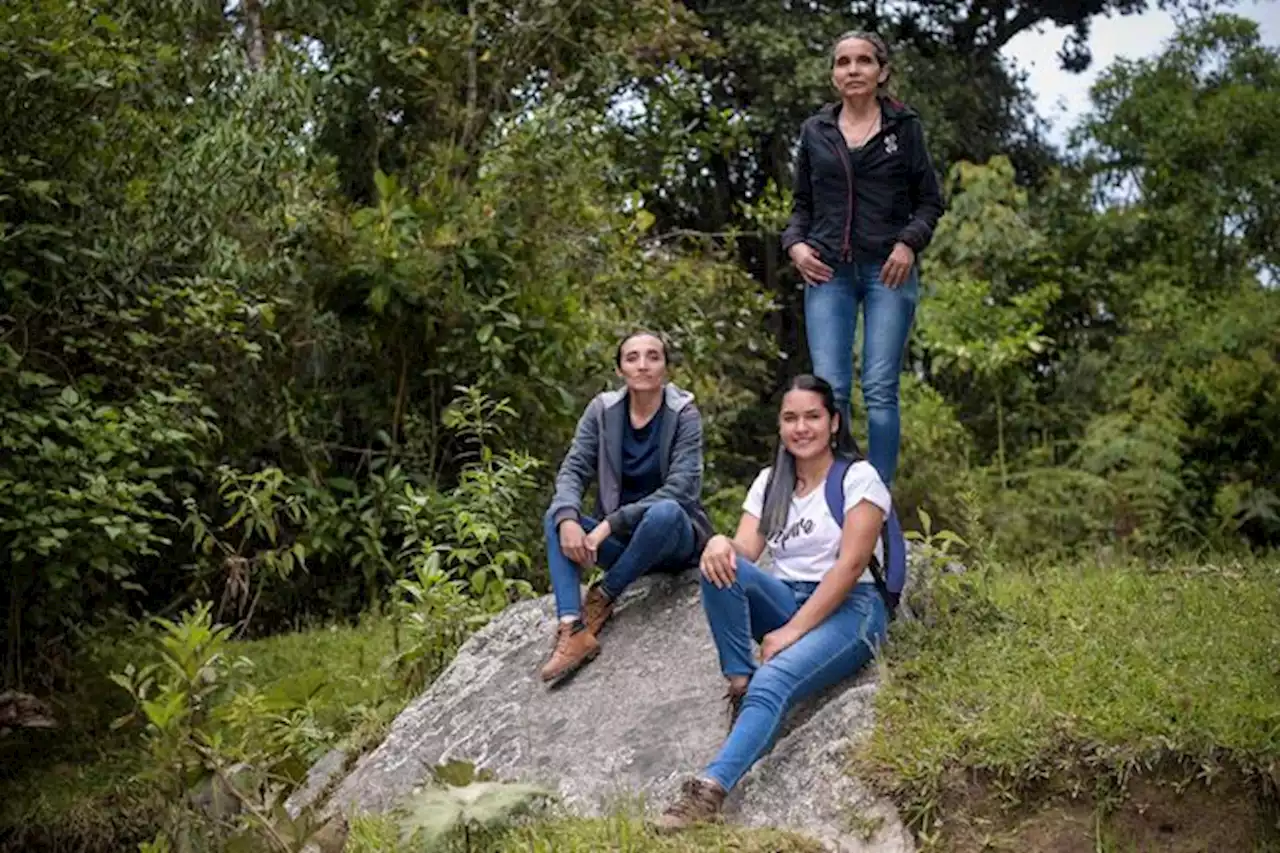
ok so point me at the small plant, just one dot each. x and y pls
(433, 615)
(258, 539)
(484, 512)
(433, 815)
(224, 758)
(174, 695)
(933, 554)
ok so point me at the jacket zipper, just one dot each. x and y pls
(847, 238)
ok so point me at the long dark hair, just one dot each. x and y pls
(782, 479)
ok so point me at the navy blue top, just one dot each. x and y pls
(641, 465)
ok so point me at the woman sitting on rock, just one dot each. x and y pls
(818, 615)
(643, 447)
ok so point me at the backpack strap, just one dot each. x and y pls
(834, 492)
(834, 489)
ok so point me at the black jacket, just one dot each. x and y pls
(891, 196)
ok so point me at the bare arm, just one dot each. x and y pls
(747, 541)
(720, 558)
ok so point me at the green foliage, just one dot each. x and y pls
(196, 728)
(623, 832)
(481, 518)
(1083, 675)
(1194, 132)
(299, 302)
(433, 616)
(430, 816)
(932, 554)
(240, 286)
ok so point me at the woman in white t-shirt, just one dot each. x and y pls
(817, 614)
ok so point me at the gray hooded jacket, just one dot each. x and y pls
(596, 452)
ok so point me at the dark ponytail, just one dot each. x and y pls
(781, 486)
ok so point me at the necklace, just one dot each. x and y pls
(872, 126)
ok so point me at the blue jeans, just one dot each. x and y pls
(831, 318)
(754, 605)
(662, 540)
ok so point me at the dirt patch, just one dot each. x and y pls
(1155, 815)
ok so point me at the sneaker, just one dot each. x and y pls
(575, 646)
(699, 802)
(733, 697)
(596, 610)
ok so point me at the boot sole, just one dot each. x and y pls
(671, 829)
(562, 676)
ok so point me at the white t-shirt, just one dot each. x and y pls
(808, 545)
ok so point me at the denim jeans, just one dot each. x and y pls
(757, 603)
(663, 539)
(831, 317)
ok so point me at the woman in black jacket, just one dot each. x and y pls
(866, 201)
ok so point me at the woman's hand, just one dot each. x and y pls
(898, 267)
(596, 537)
(811, 267)
(719, 562)
(575, 544)
(775, 641)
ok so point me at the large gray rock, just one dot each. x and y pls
(628, 728)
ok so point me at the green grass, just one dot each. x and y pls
(76, 788)
(618, 834)
(359, 698)
(1065, 679)
(1081, 678)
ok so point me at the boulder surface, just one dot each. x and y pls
(628, 728)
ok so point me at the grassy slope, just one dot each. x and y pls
(1079, 679)
(1072, 679)
(618, 834)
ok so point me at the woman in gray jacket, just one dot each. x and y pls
(642, 446)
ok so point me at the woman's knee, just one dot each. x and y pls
(711, 592)
(747, 572)
(664, 513)
(771, 687)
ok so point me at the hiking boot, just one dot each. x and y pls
(575, 645)
(733, 697)
(596, 610)
(699, 802)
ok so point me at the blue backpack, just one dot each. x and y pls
(892, 576)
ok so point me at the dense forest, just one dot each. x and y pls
(302, 299)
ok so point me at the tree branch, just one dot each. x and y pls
(255, 38)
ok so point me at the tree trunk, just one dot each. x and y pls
(401, 394)
(13, 659)
(254, 36)
(1004, 471)
(473, 75)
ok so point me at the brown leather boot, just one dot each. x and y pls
(700, 801)
(573, 649)
(596, 610)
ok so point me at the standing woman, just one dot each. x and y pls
(866, 201)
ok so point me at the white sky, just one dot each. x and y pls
(1062, 97)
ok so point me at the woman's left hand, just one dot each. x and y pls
(776, 641)
(598, 534)
(898, 267)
